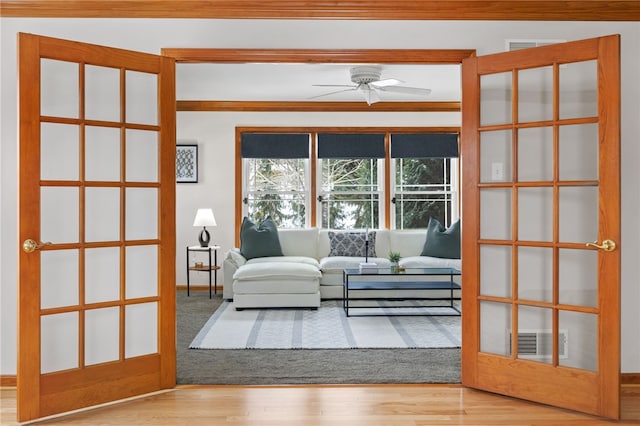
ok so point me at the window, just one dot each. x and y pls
(350, 187)
(360, 180)
(423, 188)
(426, 178)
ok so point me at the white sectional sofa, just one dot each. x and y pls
(306, 273)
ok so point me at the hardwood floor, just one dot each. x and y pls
(328, 405)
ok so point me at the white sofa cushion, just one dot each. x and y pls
(341, 262)
(429, 262)
(277, 286)
(407, 242)
(273, 271)
(299, 242)
(286, 259)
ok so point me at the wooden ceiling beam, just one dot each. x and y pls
(314, 106)
(529, 10)
(319, 56)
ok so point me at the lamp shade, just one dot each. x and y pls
(204, 217)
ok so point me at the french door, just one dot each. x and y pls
(97, 225)
(541, 220)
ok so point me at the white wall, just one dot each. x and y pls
(215, 135)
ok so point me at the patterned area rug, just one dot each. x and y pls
(325, 328)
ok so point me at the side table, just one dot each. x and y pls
(211, 267)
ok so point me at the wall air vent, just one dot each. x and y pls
(512, 44)
(538, 344)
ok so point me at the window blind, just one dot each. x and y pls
(350, 145)
(275, 145)
(424, 145)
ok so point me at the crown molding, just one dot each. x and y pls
(529, 10)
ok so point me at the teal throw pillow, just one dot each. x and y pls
(442, 242)
(259, 240)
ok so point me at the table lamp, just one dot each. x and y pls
(204, 218)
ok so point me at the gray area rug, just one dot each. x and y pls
(327, 328)
(313, 366)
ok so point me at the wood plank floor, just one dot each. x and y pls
(348, 405)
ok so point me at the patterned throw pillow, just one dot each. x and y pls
(442, 242)
(259, 240)
(346, 243)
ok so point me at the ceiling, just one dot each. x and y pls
(295, 82)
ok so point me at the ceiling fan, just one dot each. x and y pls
(367, 81)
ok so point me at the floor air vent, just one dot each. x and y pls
(537, 344)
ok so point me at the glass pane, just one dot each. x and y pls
(141, 329)
(495, 156)
(59, 152)
(535, 94)
(142, 213)
(495, 99)
(102, 210)
(141, 272)
(495, 271)
(59, 91)
(59, 214)
(102, 154)
(291, 208)
(350, 193)
(582, 348)
(102, 93)
(535, 214)
(141, 97)
(142, 156)
(495, 213)
(59, 342)
(578, 280)
(495, 323)
(535, 273)
(578, 214)
(578, 148)
(423, 189)
(535, 339)
(535, 154)
(102, 335)
(579, 89)
(59, 278)
(102, 274)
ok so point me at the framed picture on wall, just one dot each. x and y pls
(187, 163)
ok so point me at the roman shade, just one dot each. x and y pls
(424, 145)
(350, 145)
(275, 145)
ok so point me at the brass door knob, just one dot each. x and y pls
(29, 245)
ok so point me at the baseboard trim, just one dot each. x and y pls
(8, 380)
(197, 287)
(630, 379)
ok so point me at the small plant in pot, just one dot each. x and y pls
(394, 258)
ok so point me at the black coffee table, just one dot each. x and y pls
(411, 279)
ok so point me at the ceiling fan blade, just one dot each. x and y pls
(334, 85)
(386, 82)
(418, 91)
(369, 93)
(351, 88)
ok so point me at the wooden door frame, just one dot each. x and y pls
(315, 56)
